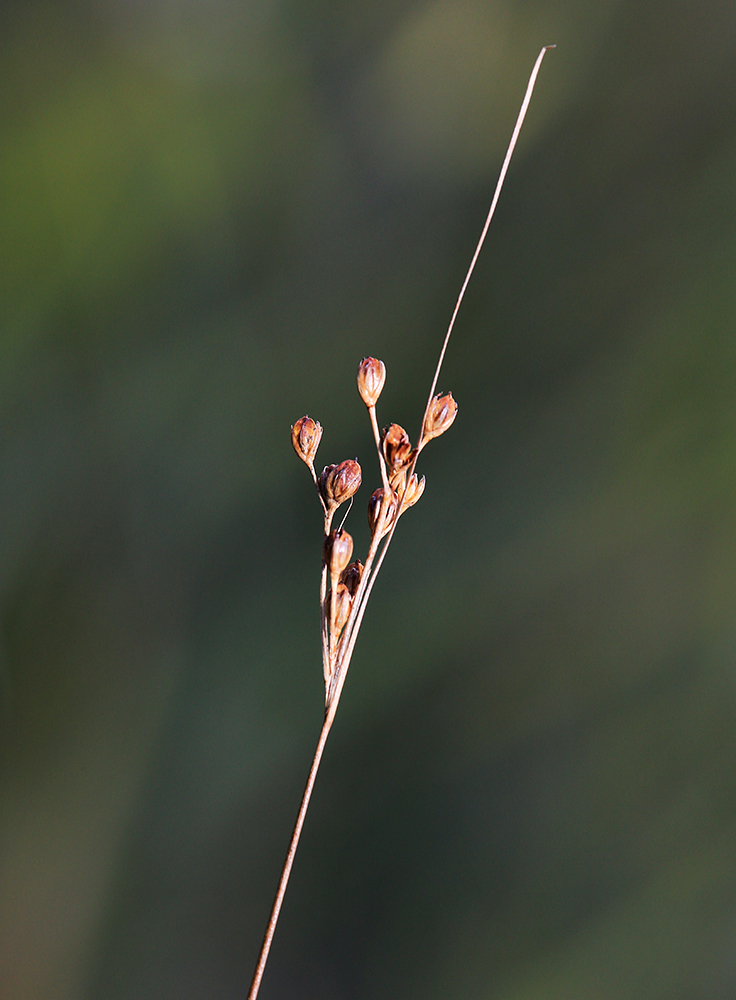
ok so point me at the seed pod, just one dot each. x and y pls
(343, 604)
(322, 483)
(397, 480)
(442, 412)
(374, 510)
(338, 550)
(396, 447)
(371, 376)
(351, 575)
(338, 483)
(305, 436)
(413, 491)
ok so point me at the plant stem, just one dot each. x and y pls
(494, 201)
(293, 843)
(335, 673)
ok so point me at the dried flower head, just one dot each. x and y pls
(343, 601)
(396, 447)
(305, 436)
(338, 483)
(376, 504)
(351, 576)
(413, 491)
(338, 550)
(371, 376)
(441, 413)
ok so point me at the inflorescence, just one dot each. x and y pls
(345, 584)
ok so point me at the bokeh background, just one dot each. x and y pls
(210, 213)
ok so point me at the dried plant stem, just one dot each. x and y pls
(284, 881)
(364, 594)
(491, 212)
(336, 657)
(377, 439)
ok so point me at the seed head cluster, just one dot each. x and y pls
(346, 585)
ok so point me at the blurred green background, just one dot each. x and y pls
(210, 213)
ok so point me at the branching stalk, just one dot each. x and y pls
(397, 462)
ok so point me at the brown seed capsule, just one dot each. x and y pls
(305, 436)
(351, 575)
(396, 447)
(413, 491)
(442, 412)
(338, 550)
(374, 510)
(323, 476)
(338, 483)
(397, 481)
(343, 603)
(371, 376)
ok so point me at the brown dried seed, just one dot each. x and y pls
(371, 376)
(338, 550)
(343, 603)
(322, 482)
(338, 483)
(396, 447)
(414, 490)
(442, 411)
(374, 510)
(305, 436)
(351, 575)
(397, 480)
